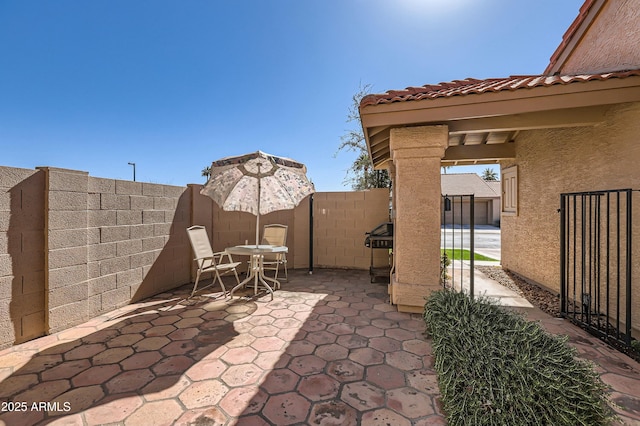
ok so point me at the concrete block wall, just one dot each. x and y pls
(22, 292)
(137, 241)
(65, 248)
(74, 246)
(341, 220)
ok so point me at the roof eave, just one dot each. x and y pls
(494, 104)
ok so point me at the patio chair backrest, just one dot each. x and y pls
(200, 242)
(275, 235)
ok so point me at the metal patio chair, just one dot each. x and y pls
(275, 235)
(208, 261)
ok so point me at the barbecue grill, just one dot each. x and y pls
(381, 237)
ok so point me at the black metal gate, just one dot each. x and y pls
(457, 236)
(596, 238)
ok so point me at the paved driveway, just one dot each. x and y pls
(486, 239)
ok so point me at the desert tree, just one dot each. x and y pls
(361, 174)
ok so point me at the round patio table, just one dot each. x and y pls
(256, 265)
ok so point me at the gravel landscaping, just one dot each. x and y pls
(539, 297)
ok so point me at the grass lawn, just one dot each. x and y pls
(462, 254)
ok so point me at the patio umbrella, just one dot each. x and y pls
(257, 183)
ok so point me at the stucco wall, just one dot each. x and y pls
(611, 44)
(551, 162)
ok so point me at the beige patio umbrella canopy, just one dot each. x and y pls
(257, 183)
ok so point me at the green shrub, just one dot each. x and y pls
(496, 368)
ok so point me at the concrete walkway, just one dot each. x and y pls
(484, 286)
(328, 350)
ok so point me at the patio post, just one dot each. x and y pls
(416, 153)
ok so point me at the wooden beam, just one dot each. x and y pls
(480, 152)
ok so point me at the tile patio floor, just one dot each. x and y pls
(328, 350)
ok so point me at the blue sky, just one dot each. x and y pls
(174, 85)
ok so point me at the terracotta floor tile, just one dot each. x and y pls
(240, 341)
(188, 323)
(125, 340)
(369, 331)
(363, 396)
(332, 413)
(67, 420)
(243, 401)
(205, 370)
(295, 360)
(159, 330)
(307, 365)
(15, 384)
(241, 375)
(385, 376)
(151, 344)
(40, 363)
(366, 356)
(352, 341)
(318, 387)
(279, 381)
(345, 370)
(417, 347)
(290, 322)
(203, 394)
(253, 420)
(165, 387)
(210, 416)
(264, 330)
(409, 402)
(424, 381)
(331, 352)
(300, 347)
(128, 381)
(241, 355)
(112, 356)
(84, 351)
(404, 360)
(29, 417)
(385, 344)
(384, 417)
(141, 360)
(166, 319)
(181, 347)
(78, 400)
(402, 335)
(177, 364)
(155, 413)
(268, 344)
(96, 375)
(287, 409)
(44, 391)
(271, 360)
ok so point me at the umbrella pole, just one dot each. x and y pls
(257, 229)
(258, 215)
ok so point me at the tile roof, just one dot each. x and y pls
(473, 86)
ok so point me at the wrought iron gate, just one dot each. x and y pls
(457, 235)
(596, 262)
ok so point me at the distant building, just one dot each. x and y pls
(486, 199)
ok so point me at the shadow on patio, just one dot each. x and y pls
(328, 349)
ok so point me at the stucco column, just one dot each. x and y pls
(416, 153)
